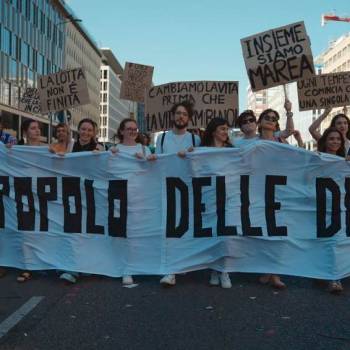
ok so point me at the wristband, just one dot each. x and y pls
(289, 114)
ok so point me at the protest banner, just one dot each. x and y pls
(63, 90)
(278, 56)
(210, 99)
(324, 91)
(30, 101)
(229, 209)
(137, 79)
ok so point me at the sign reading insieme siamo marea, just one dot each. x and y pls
(278, 56)
(63, 90)
(324, 91)
(210, 99)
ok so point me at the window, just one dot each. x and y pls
(27, 14)
(48, 31)
(105, 74)
(20, 5)
(7, 41)
(42, 22)
(35, 15)
(19, 49)
(104, 85)
(104, 133)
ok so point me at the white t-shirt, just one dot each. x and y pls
(132, 150)
(174, 143)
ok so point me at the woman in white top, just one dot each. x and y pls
(128, 135)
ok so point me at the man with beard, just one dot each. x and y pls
(178, 140)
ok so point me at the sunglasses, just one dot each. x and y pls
(270, 119)
(248, 120)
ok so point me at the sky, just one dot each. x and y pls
(200, 39)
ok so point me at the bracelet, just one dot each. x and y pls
(289, 114)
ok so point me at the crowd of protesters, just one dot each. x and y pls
(335, 140)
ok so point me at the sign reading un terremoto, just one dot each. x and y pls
(63, 90)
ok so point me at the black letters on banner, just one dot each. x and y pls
(4, 191)
(199, 207)
(71, 189)
(271, 206)
(222, 229)
(246, 228)
(347, 206)
(117, 189)
(173, 184)
(23, 188)
(323, 184)
(44, 197)
(91, 227)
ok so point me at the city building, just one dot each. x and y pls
(112, 109)
(336, 58)
(32, 44)
(256, 101)
(80, 50)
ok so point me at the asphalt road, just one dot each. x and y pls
(98, 313)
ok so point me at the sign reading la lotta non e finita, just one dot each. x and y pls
(278, 56)
(63, 90)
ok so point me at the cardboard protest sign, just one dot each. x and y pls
(209, 98)
(30, 101)
(63, 90)
(137, 79)
(278, 56)
(322, 91)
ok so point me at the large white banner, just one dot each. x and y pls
(265, 208)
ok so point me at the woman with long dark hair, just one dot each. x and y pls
(340, 121)
(216, 135)
(332, 142)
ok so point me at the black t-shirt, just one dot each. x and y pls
(92, 146)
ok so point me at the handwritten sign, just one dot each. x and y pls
(137, 79)
(30, 101)
(322, 91)
(63, 90)
(209, 98)
(278, 56)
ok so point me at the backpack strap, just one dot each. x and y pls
(162, 141)
(193, 140)
(143, 151)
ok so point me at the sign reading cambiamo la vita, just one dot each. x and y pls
(137, 79)
(323, 91)
(210, 99)
(278, 56)
(63, 90)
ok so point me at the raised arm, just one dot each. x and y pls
(288, 131)
(317, 123)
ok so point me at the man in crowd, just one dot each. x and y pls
(178, 140)
(5, 137)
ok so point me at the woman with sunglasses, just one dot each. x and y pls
(216, 135)
(267, 127)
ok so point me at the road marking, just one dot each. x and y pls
(18, 315)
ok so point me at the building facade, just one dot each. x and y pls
(32, 44)
(80, 50)
(256, 101)
(336, 58)
(112, 109)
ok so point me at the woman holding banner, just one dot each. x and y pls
(340, 121)
(64, 142)
(267, 126)
(128, 134)
(31, 130)
(87, 130)
(332, 142)
(216, 135)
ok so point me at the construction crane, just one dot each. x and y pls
(332, 17)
